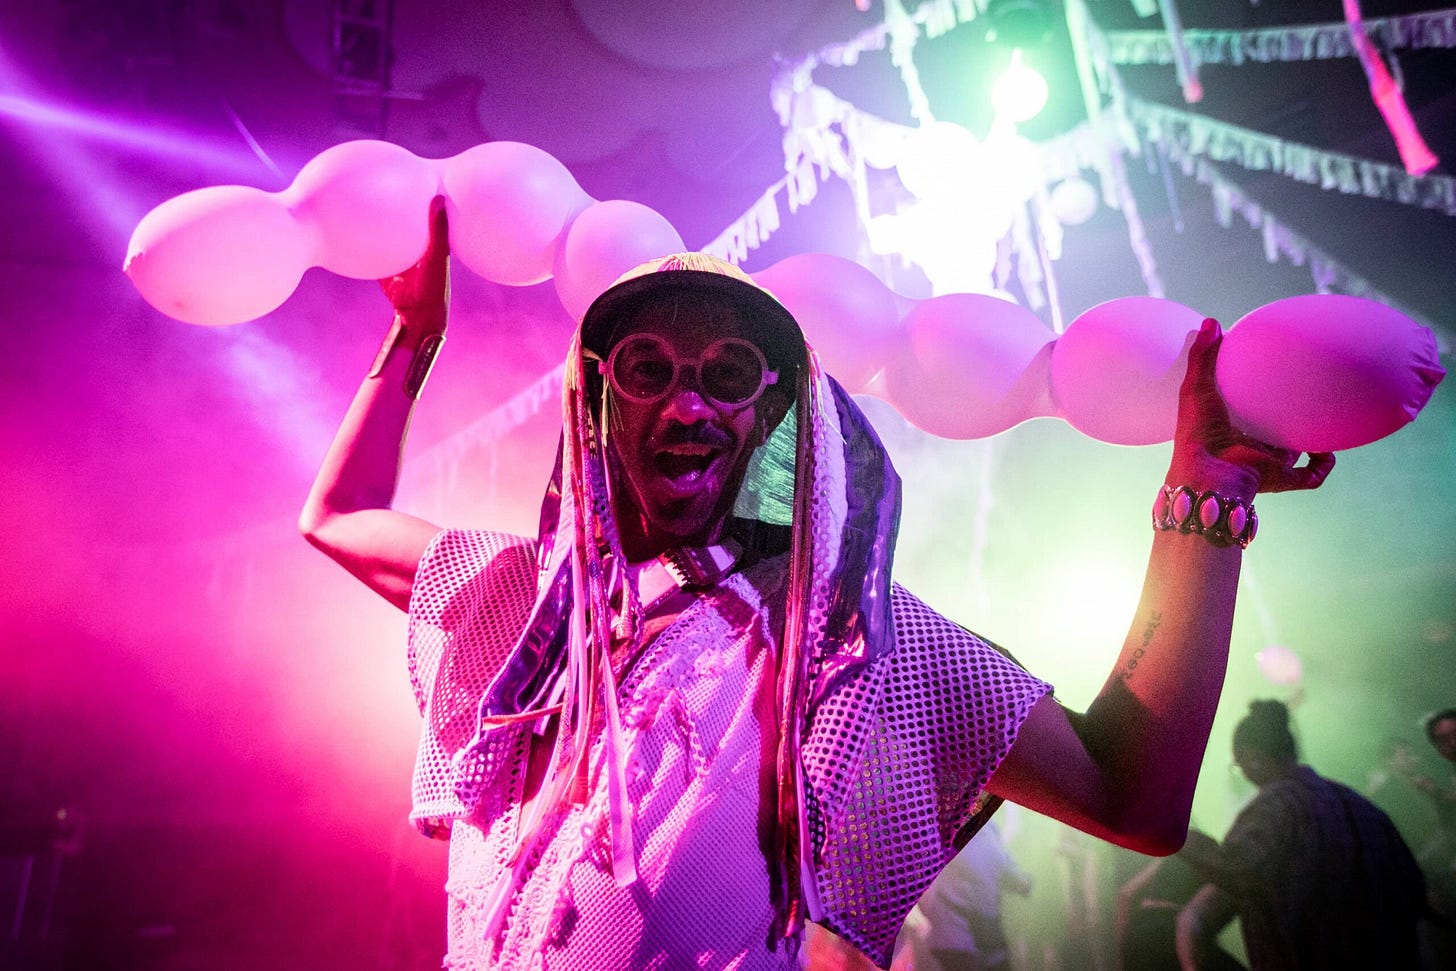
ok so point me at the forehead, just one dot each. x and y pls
(686, 318)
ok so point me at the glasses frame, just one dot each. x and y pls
(607, 369)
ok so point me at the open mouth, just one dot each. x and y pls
(685, 465)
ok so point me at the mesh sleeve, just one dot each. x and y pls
(905, 752)
(472, 593)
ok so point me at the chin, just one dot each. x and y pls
(684, 530)
(691, 523)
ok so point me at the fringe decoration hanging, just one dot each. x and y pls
(1270, 45)
(1222, 142)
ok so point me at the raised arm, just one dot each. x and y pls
(1197, 928)
(1126, 769)
(348, 514)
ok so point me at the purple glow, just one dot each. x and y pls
(150, 139)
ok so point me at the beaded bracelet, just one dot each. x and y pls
(1217, 518)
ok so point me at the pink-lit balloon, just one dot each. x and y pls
(219, 255)
(508, 203)
(606, 240)
(1116, 371)
(1326, 372)
(1279, 665)
(973, 366)
(847, 314)
(369, 203)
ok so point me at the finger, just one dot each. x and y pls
(1308, 476)
(1313, 474)
(1201, 414)
(1202, 355)
(1249, 451)
(439, 244)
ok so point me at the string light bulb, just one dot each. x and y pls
(1020, 93)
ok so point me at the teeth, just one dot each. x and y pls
(684, 466)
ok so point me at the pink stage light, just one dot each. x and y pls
(278, 390)
(149, 139)
(70, 143)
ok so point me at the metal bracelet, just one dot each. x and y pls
(1220, 519)
(421, 363)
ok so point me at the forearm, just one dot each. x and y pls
(1148, 727)
(348, 512)
(1126, 770)
(1198, 925)
(361, 468)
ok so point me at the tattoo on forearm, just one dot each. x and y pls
(1137, 655)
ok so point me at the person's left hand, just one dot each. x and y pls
(1210, 453)
(421, 294)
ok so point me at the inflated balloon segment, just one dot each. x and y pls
(1320, 372)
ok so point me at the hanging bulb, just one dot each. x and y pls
(1020, 93)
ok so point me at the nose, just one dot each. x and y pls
(685, 402)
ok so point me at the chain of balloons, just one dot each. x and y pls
(1320, 372)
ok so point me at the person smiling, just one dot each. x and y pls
(695, 711)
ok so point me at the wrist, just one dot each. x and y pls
(418, 324)
(417, 336)
(1221, 519)
(1206, 473)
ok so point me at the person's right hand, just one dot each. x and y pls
(421, 294)
(1209, 452)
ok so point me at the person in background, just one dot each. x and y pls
(957, 923)
(1318, 876)
(1148, 905)
(1437, 855)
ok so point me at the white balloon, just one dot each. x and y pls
(847, 314)
(1325, 372)
(509, 204)
(938, 160)
(879, 141)
(1117, 369)
(972, 366)
(369, 202)
(219, 255)
(604, 241)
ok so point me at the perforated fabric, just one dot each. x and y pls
(899, 757)
(894, 760)
(471, 595)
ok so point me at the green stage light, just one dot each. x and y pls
(1020, 93)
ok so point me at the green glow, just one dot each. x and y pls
(1020, 93)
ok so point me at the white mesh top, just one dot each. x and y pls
(895, 762)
